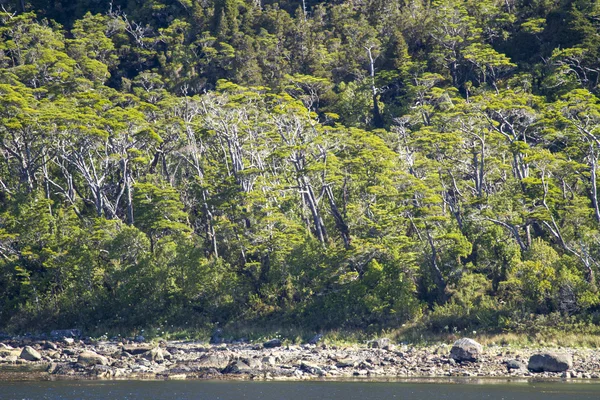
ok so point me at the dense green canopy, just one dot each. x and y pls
(330, 164)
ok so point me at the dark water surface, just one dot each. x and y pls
(202, 390)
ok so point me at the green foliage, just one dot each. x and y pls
(354, 165)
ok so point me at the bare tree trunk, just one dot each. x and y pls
(339, 219)
(304, 9)
(313, 206)
(594, 191)
(377, 119)
(130, 219)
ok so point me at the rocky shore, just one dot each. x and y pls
(272, 360)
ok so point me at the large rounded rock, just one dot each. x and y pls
(216, 361)
(465, 350)
(156, 355)
(30, 354)
(88, 358)
(550, 362)
(237, 367)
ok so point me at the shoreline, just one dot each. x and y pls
(178, 360)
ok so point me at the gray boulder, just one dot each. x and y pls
(88, 358)
(272, 343)
(30, 354)
(237, 367)
(465, 349)
(216, 361)
(550, 362)
(254, 364)
(515, 365)
(156, 355)
(311, 368)
(270, 361)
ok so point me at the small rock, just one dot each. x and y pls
(272, 343)
(269, 360)
(139, 339)
(30, 354)
(253, 363)
(68, 341)
(50, 346)
(52, 368)
(381, 343)
(465, 349)
(88, 358)
(515, 364)
(135, 350)
(550, 362)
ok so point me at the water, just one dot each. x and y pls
(203, 390)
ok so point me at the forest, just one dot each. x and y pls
(345, 164)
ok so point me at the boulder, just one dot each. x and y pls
(550, 362)
(88, 358)
(269, 360)
(50, 346)
(155, 355)
(465, 349)
(270, 344)
(236, 367)
(515, 364)
(254, 363)
(216, 361)
(30, 354)
(311, 368)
